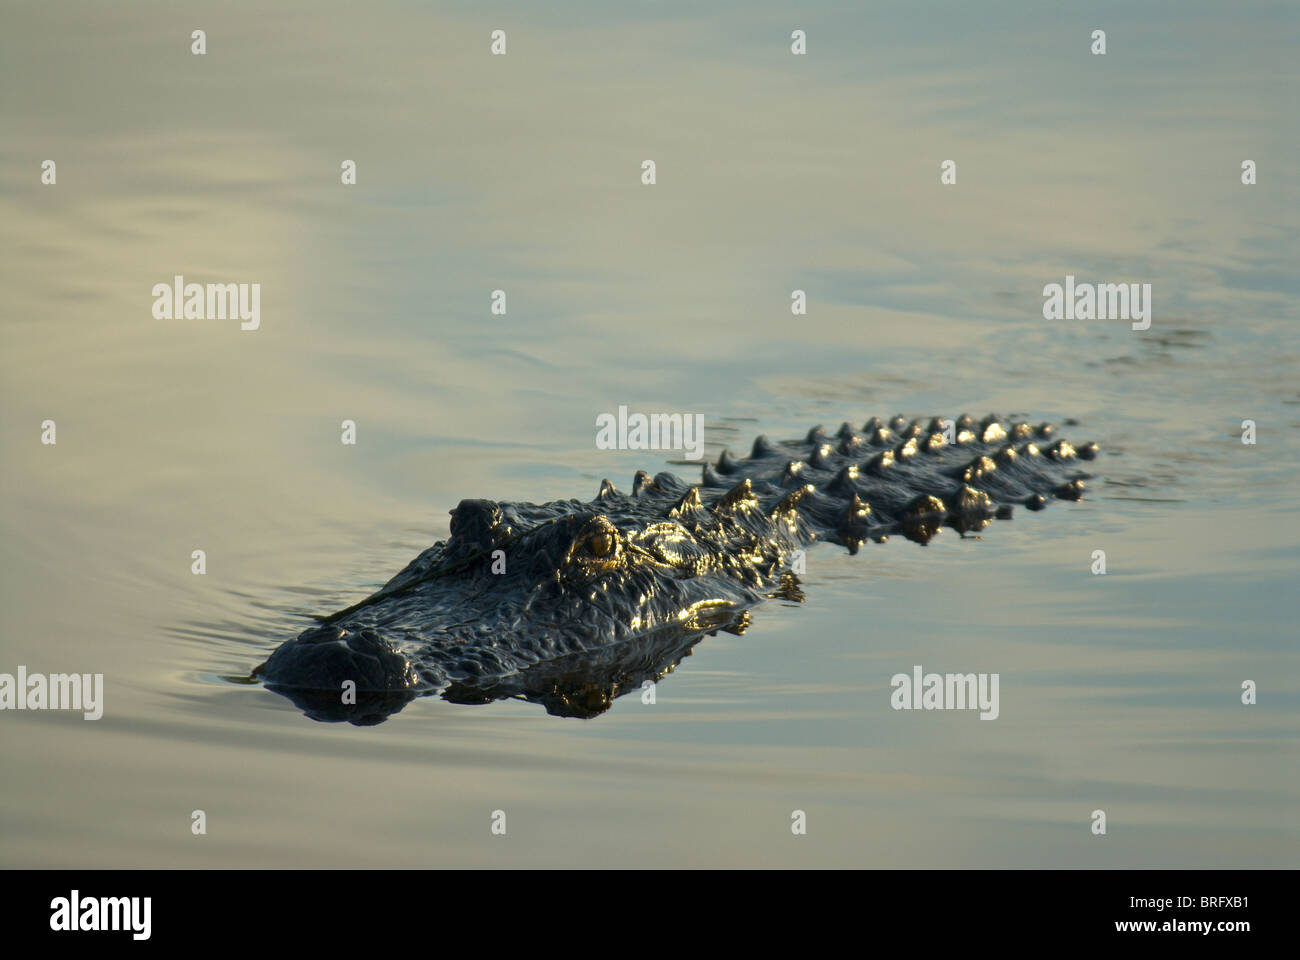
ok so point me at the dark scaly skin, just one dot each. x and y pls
(600, 596)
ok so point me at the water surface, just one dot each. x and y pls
(522, 173)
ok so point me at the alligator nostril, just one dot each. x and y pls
(477, 522)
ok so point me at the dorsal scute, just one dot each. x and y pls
(844, 483)
(741, 496)
(792, 475)
(727, 463)
(687, 504)
(822, 457)
(857, 510)
(880, 462)
(790, 501)
(762, 447)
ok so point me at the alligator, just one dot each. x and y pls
(571, 604)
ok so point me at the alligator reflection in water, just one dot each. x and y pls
(574, 685)
(572, 604)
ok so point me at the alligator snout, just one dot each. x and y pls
(325, 657)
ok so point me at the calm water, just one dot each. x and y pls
(522, 173)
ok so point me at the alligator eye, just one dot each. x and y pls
(601, 544)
